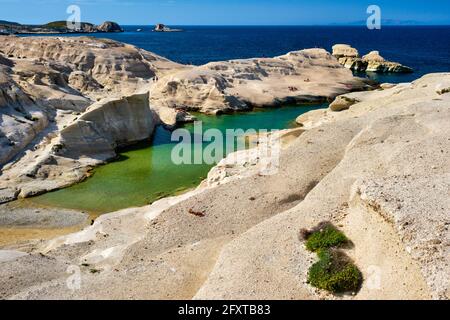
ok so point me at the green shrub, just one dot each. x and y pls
(327, 237)
(334, 272)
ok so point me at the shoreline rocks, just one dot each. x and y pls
(163, 28)
(48, 86)
(106, 126)
(306, 76)
(60, 96)
(372, 62)
(109, 27)
(378, 170)
(375, 163)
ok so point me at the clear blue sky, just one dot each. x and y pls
(225, 12)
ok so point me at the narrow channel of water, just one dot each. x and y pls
(146, 173)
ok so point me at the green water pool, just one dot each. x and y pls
(145, 173)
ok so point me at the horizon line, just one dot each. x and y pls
(288, 25)
(330, 24)
(261, 25)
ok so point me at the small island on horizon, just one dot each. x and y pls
(57, 27)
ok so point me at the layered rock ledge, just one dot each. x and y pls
(305, 76)
(67, 104)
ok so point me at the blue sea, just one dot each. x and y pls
(424, 48)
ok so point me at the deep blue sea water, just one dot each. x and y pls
(424, 48)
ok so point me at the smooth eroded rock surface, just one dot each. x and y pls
(49, 138)
(378, 170)
(311, 75)
(66, 104)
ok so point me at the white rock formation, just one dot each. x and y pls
(378, 170)
(67, 103)
(107, 125)
(345, 51)
(46, 87)
(298, 77)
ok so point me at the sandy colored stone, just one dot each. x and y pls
(374, 56)
(49, 138)
(382, 165)
(311, 75)
(67, 104)
(378, 170)
(342, 103)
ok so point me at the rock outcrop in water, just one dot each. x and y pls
(299, 77)
(378, 170)
(163, 28)
(373, 62)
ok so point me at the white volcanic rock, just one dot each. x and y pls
(107, 125)
(342, 103)
(66, 156)
(47, 84)
(304, 76)
(21, 119)
(374, 56)
(117, 67)
(83, 82)
(42, 75)
(379, 171)
(50, 139)
(57, 139)
(344, 50)
(372, 62)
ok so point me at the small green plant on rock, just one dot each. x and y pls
(324, 238)
(334, 272)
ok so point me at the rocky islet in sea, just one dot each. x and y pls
(350, 58)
